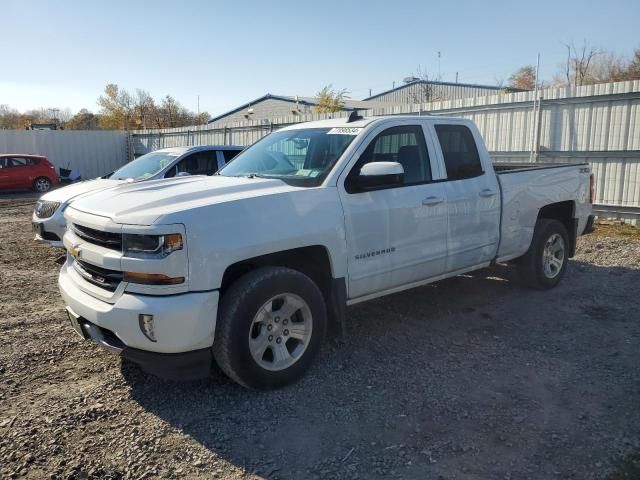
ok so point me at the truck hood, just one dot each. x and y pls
(145, 202)
(75, 190)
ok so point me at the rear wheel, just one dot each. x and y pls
(270, 326)
(42, 184)
(544, 265)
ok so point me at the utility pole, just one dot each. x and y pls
(438, 65)
(369, 92)
(456, 77)
(534, 117)
(54, 115)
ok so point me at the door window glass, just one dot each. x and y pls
(403, 144)
(229, 154)
(18, 162)
(461, 156)
(199, 163)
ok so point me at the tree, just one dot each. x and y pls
(578, 69)
(524, 78)
(634, 66)
(144, 108)
(83, 120)
(423, 92)
(117, 108)
(329, 100)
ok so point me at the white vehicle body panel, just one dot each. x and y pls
(378, 241)
(56, 223)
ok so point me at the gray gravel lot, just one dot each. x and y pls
(471, 378)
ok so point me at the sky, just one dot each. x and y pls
(61, 54)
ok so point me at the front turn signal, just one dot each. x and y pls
(152, 278)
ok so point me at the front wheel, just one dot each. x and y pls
(270, 326)
(545, 263)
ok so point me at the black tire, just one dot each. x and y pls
(531, 267)
(241, 302)
(41, 184)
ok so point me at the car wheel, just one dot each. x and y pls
(42, 184)
(271, 324)
(545, 263)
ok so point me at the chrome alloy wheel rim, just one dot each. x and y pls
(553, 256)
(280, 332)
(42, 185)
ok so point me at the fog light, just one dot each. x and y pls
(146, 325)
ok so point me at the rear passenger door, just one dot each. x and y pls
(19, 174)
(473, 200)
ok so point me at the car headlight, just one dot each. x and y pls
(135, 245)
(45, 209)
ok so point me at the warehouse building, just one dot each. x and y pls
(414, 90)
(267, 107)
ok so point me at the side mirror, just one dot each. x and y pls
(379, 175)
(183, 174)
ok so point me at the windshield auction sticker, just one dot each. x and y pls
(345, 131)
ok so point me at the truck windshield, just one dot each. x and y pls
(300, 157)
(145, 166)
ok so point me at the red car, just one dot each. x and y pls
(26, 171)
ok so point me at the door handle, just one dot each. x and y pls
(487, 192)
(433, 200)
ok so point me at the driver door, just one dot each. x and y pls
(395, 235)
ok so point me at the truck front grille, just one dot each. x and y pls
(104, 239)
(102, 277)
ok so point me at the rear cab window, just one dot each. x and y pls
(460, 152)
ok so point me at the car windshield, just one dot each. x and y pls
(145, 166)
(299, 157)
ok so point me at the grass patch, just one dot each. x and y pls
(621, 230)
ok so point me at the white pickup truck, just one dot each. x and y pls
(249, 266)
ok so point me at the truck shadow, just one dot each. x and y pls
(474, 372)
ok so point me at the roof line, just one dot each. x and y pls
(434, 82)
(268, 96)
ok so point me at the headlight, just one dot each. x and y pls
(45, 209)
(150, 245)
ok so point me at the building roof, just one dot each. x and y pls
(448, 84)
(305, 101)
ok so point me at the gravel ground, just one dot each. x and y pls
(471, 378)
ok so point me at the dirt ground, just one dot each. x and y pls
(471, 378)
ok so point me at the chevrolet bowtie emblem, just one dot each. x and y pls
(74, 250)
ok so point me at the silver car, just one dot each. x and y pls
(48, 216)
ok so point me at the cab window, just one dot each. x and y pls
(229, 155)
(459, 150)
(199, 163)
(403, 144)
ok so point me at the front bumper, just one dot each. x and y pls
(172, 366)
(183, 323)
(50, 230)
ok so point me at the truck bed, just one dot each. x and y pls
(526, 188)
(503, 167)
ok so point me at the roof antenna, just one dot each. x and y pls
(353, 116)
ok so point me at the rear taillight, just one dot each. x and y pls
(592, 188)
